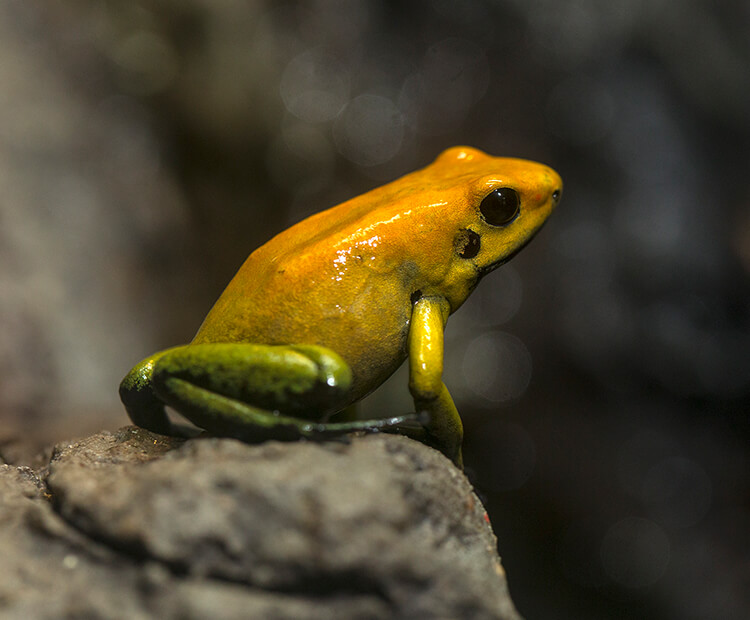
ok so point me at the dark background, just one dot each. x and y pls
(603, 376)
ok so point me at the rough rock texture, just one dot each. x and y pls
(137, 525)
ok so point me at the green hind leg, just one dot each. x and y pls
(252, 392)
(144, 407)
(228, 417)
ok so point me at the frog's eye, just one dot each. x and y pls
(500, 207)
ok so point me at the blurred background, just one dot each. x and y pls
(603, 375)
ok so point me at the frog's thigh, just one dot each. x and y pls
(200, 380)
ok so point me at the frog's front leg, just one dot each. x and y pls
(248, 391)
(443, 424)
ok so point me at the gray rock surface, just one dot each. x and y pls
(136, 525)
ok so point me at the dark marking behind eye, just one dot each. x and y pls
(471, 243)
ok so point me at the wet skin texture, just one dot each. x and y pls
(327, 310)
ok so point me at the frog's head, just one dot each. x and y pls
(496, 205)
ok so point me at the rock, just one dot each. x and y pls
(133, 524)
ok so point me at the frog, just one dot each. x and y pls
(322, 314)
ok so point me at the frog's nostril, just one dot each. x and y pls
(556, 195)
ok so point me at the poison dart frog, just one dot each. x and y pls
(327, 310)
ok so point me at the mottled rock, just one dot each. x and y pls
(139, 525)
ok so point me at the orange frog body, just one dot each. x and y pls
(327, 310)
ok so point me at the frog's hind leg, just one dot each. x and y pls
(226, 416)
(238, 390)
(143, 406)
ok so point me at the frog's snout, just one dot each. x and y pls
(556, 185)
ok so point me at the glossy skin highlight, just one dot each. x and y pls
(327, 310)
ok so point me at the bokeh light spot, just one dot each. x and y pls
(370, 131)
(453, 76)
(497, 367)
(635, 552)
(315, 86)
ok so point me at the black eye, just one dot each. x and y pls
(500, 207)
